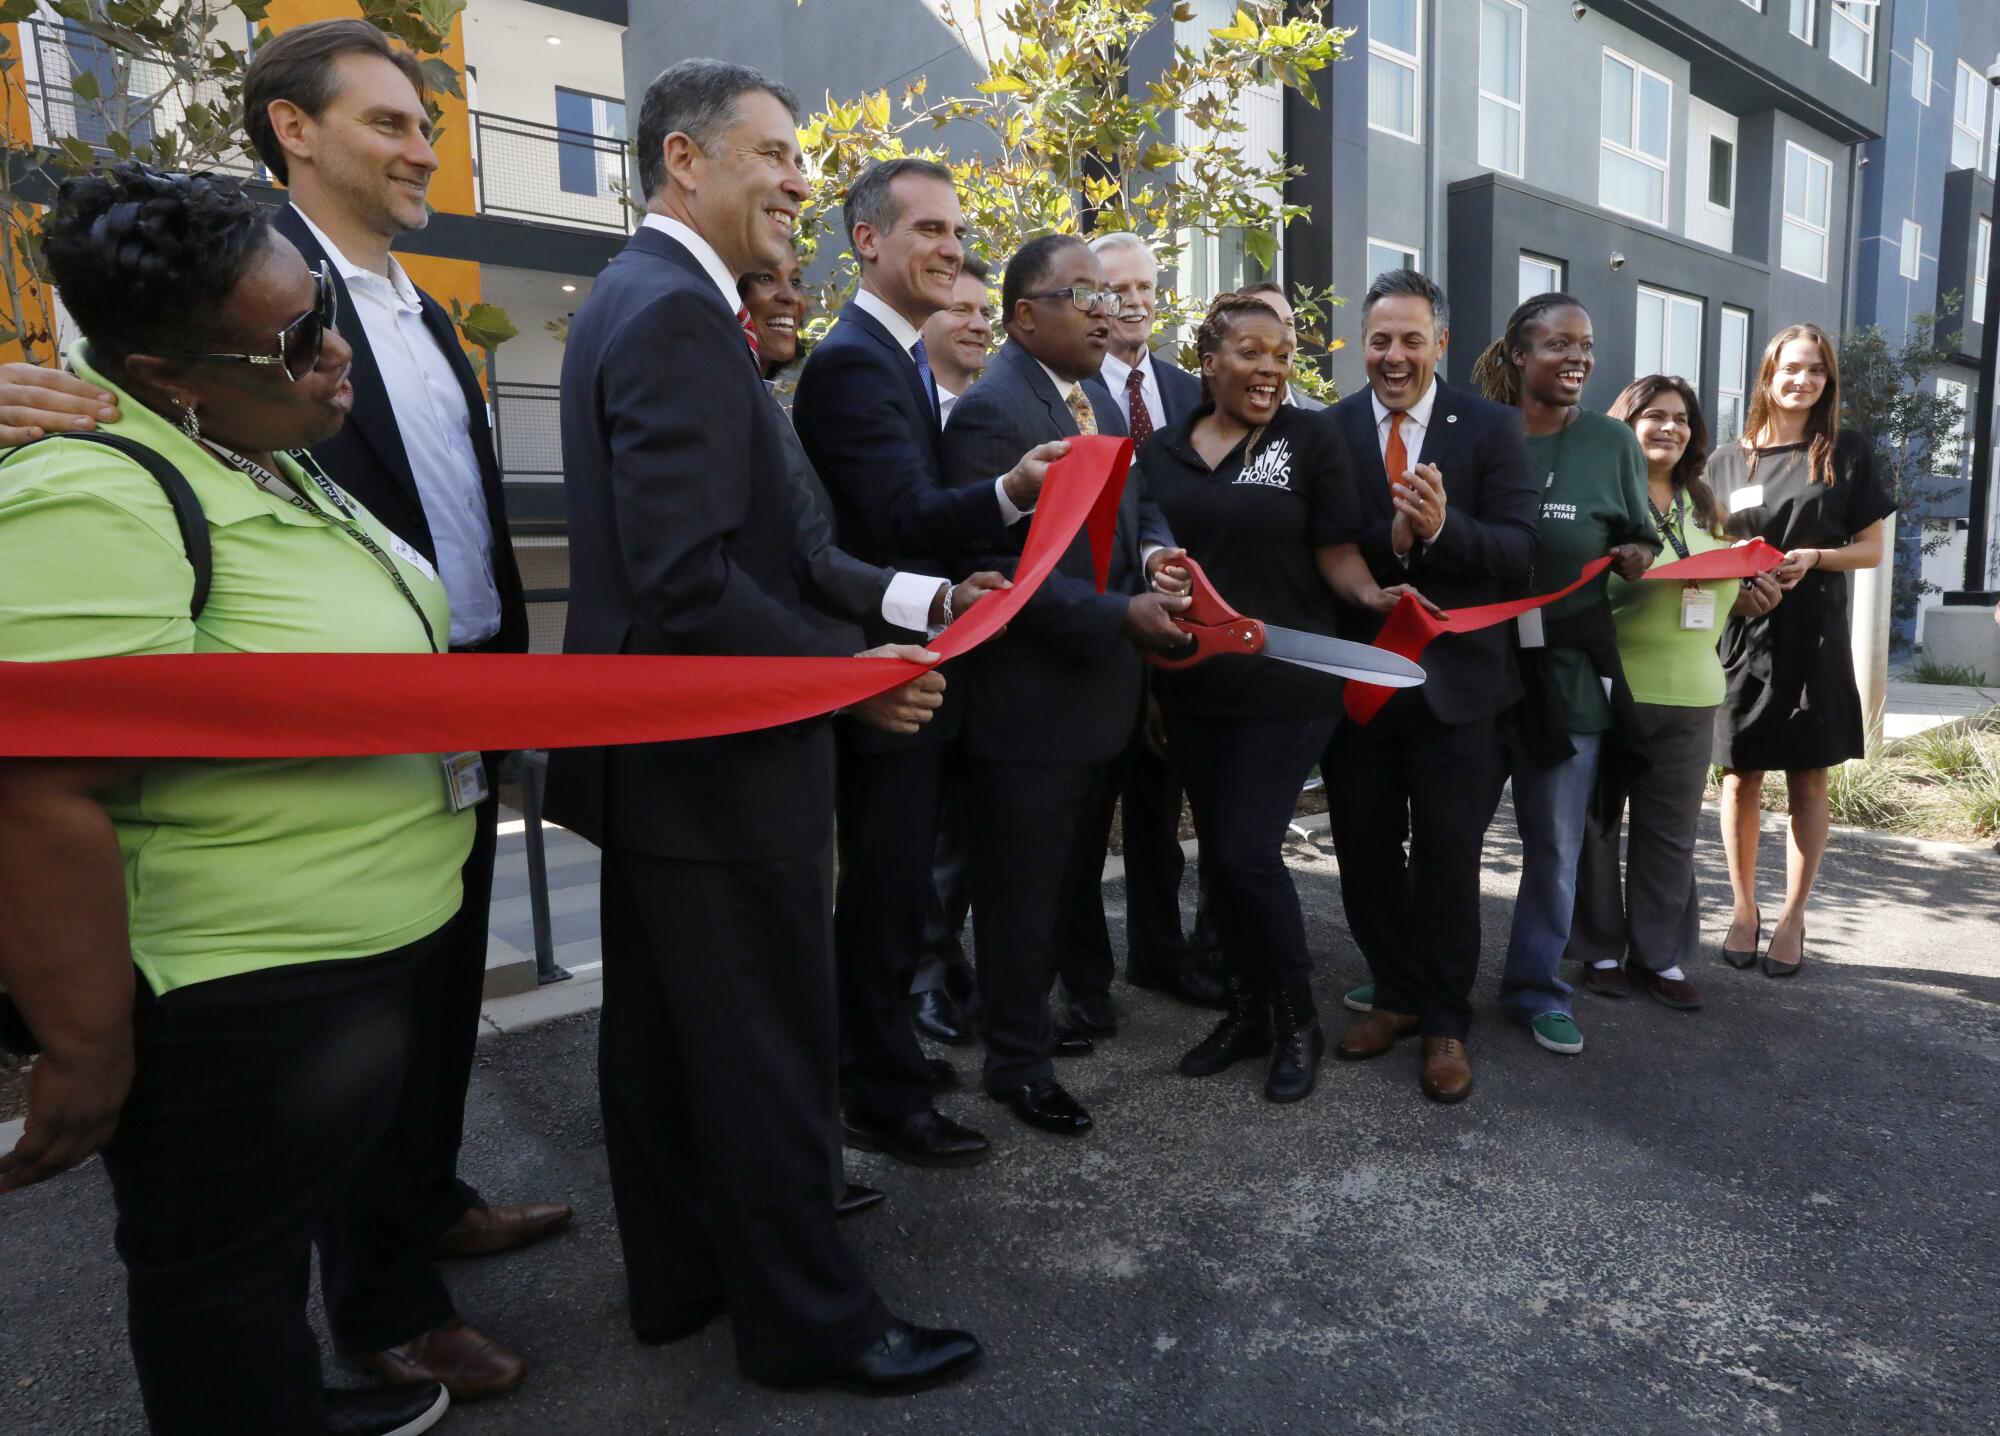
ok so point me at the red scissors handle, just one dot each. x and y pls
(1215, 627)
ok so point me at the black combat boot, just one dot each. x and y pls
(1244, 1031)
(1297, 1043)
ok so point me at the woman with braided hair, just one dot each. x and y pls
(215, 957)
(1593, 479)
(1261, 494)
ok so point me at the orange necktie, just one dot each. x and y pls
(1397, 459)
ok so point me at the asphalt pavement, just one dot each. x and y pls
(1776, 1215)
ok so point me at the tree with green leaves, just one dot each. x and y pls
(1886, 392)
(1062, 136)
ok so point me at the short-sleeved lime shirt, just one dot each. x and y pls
(231, 867)
(1664, 663)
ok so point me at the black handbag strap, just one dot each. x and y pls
(180, 493)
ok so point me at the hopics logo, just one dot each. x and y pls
(1271, 466)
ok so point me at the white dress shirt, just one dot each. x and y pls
(435, 425)
(1116, 378)
(1416, 424)
(946, 399)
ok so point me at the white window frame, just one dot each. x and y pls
(1665, 164)
(1520, 106)
(1415, 65)
(1910, 262)
(1414, 255)
(1954, 389)
(1724, 390)
(1812, 21)
(1968, 87)
(1991, 155)
(1757, 5)
(1669, 298)
(1823, 227)
(1561, 269)
(1861, 17)
(1714, 208)
(1921, 92)
(1982, 234)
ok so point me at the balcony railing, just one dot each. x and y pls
(527, 170)
(527, 432)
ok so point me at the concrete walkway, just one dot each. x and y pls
(1911, 707)
(1776, 1215)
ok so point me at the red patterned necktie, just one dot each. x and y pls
(750, 333)
(1141, 421)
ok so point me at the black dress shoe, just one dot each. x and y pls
(1184, 984)
(1046, 1105)
(1072, 1043)
(925, 1138)
(935, 1015)
(856, 1200)
(1091, 1013)
(905, 1358)
(944, 1076)
(385, 1410)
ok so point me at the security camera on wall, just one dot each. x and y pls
(1617, 260)
(1577, 12)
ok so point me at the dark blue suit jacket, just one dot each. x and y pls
(367, 458)
(685, 537)
(1062, 684)
(1180, 391)
(1483, 554)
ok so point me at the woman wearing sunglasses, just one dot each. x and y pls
(214, 956)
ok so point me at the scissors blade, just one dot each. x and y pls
(1341, 657)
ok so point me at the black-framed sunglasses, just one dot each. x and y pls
(301, 341)
(1089, 300)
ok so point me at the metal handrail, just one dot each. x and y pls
(530, 170)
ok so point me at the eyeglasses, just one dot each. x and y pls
(1090, 301)
(299, 343)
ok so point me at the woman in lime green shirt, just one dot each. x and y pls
(271, 912)
(1667, 636)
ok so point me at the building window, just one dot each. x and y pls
(1993, 140)
(1968, 116)
(1949, 459)
(1721, 173)
(1734, 365)
(1539, 276)
(1851, 40)
(1502, 29)
(1912, 260)
(1669, 335)
(1808, 212)
(1801, 21)
(1635, 125)
(1384, 256)
(1983, 238)
(1920, 72)
(588, 165)
(1395, 62)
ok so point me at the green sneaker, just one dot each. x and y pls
(1558, 1032)
(1359, 999)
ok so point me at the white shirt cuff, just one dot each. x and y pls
(906, 603)
(1010, 514)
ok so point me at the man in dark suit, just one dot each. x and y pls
(717, 1049)
(1151, 393)
(1056, 698)
(1451, 505)
(867, 411)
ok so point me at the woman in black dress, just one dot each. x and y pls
(1803, 485)
(1262, 495)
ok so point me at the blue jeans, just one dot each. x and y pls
(1550, 808)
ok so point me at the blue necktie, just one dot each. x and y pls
(923, 358)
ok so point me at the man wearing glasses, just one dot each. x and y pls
(1056, 697)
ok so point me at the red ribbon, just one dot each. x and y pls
(1410, 626)
(304, 705)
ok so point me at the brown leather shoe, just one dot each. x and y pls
(1447, 1075)
(461, 1358)
(1375, 1034)
(1605, 981)
(482, 1231)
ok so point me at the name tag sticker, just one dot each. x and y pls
(1697, 608)
(464, 779)
(411, 557)
(1530, 626)
(1751, 496)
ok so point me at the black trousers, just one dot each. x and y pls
(1243, 777)
(1028, 845)
(258, 1100)
(380, 1287)
(716, 1068)
(1149, 822)
(1408, 779)
(888, 817)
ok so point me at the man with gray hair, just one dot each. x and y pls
(717, 1046)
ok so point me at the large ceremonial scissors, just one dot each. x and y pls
(1215, 628)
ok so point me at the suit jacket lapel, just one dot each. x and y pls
(1371, 475)
(1043, 388)
(906, 365)
(1441, 436)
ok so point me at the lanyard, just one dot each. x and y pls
(1669, 524)
(343, 519)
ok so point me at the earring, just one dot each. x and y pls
(190, 425)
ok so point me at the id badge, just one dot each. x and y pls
(464, 779)
(1529, 625)
(1697, 608)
